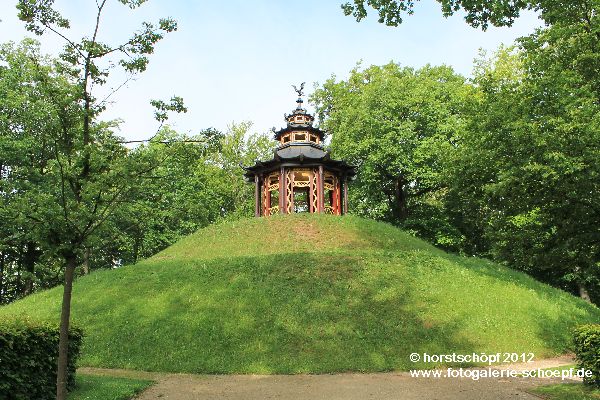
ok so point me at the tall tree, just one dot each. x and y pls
(528, 166)
(396, 124)
(93, 171)
(27, 79)
(240, 148)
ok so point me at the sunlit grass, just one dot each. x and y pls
(92, 387)
(308, 294)
(568, 391)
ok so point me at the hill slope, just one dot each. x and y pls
(307, 293)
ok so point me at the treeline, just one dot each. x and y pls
(163, 189)
(504, 165)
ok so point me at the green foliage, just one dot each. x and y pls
(479, 13)
(88, 170)
(526, 174)
(84, 171)
(30, 88)
(29, 353)
(162, 108)
(197, 182)
(240, 148)
(397, 125)
(308, 294)
(586, 340)
(39, 16)
(99, 387)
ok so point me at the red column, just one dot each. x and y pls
(345, 194)
(336, 196)
(321, 190)
(282, 191)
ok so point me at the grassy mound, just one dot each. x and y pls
(307, 293)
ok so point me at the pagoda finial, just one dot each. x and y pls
(299, 91)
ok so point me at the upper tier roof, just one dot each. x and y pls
(299, 120)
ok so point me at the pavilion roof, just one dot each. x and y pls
(299, 154)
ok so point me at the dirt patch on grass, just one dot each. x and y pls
(307, 231)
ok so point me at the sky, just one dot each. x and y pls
(236, 60)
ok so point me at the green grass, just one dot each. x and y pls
(567, 391)
(307, 294)
(95, 387)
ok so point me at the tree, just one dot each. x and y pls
(396, 124)
(561, 105)
(240, 148)
(479, 13)
(528, 166)
(176, 200)
(91, 168)
(26, 81)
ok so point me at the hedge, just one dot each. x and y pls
(28, 359)
(587, 350)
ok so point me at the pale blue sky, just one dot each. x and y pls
(235, 60)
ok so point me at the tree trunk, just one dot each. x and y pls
(401, 208)
(86, 261)
(18, 293)
(136, 248)
(583, 292)
(29, 260)
(1, 277)
(65, 315)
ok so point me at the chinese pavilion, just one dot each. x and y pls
(301, 176)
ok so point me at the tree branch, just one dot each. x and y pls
(115, 90)
(69, 41)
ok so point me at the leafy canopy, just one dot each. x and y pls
(479, 13)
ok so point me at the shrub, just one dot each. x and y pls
(587, 350)
(28, 359)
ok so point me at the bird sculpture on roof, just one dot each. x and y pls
(299, 91)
